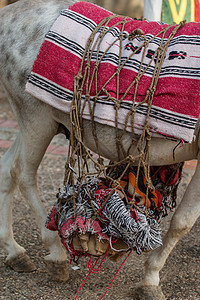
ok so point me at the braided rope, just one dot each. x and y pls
(79, 156)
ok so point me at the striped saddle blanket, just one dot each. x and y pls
(176, 103)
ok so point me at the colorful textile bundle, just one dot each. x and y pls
(166, 179)
(138, 231)
(118, 220)
(176, 104)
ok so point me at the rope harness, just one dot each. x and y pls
(80, 161)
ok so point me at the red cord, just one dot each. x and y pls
(115, 275)
(182, 143)
(80, 288)
(93, 270)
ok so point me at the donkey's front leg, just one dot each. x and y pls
(16, 255)
(33, 146)
(19, 167)
(181, 223)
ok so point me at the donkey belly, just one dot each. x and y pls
(162, 151)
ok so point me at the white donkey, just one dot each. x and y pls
(23, 26)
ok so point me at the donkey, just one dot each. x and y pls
(23, 26)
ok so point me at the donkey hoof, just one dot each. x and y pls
(57, 270)
(21, 263)
(149, 293)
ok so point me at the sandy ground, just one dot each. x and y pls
(179, 277)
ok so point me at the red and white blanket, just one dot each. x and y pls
(176, 104)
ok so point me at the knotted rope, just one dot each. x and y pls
(80, 158)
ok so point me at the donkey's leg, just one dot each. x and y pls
(33, 141)
(32, 150)
(17, 257)
(181, 223)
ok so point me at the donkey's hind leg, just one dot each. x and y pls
(28, 152)
(181, 223)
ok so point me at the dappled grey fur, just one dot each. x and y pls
(20, 40)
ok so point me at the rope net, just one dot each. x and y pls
(82, 164)
(79, 154)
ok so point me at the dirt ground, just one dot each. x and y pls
(179, 277)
